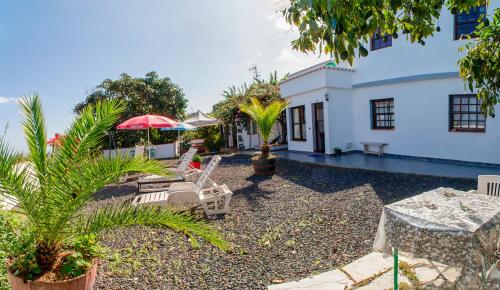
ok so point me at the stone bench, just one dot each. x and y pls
(380, 146)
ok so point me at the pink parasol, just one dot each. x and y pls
(146, 122)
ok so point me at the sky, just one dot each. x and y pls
(62, 49)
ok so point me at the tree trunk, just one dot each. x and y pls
(46, 255)
(265, 150)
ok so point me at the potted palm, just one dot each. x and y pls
(55, 247)
(265, 117)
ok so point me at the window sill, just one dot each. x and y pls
(466, 131)
(383, 129)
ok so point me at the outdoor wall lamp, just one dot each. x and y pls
(327, 98)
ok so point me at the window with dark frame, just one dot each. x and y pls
(466, 22)
(465, 114)
(298, 123)
(379, 41)
(382, 113)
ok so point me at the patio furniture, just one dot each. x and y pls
(180, 172)
(215, 199)
(456, 228)
(199, 144)
(379, 151)
(9, 202)
(489, 185)
(139, 150)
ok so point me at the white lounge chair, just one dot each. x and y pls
(9, 202)
(184, 169)
(489, 185)
(215, 200)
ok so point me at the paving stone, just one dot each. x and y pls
(452, 274)
(386, 281)
(426, 274)
(367, 266)
(332, 280)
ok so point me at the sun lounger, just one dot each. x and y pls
(215, 199)
(180, 173)
(9, 202)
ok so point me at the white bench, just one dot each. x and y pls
(379, 152)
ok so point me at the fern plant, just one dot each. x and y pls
(52, 191)
(265, 117)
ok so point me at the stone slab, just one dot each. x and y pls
(367, 266)
(332, 280)
(386, 281)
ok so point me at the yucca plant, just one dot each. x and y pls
(52, 191)
(265, 117)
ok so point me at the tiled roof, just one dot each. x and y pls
(329, 64)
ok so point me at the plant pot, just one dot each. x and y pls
(264, 166)
(196, 164)
(83, 282)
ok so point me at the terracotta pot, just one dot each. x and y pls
(264, 166)
(196, 164)
(83, 282)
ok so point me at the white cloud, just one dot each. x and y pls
(281, 25)
(271, 16)
(287, 56)
(249, 63)
(5, 100)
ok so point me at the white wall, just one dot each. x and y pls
(340, 120)
(169, 150)
(307, 99)
(403, 58)
(421, 111)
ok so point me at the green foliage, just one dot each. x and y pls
(213, 137)
(13, 242)
(147, 95)
(74, 265)
(340, 28)
(264, 116)
(480, 67)
(197, 158)
(52, 192)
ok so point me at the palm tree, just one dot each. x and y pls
(264, 117)
(54, 205)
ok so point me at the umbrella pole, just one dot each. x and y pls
(149, 149)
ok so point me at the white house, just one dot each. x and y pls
(406, 95)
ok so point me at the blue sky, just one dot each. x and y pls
(63, 49)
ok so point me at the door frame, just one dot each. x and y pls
(319, 143)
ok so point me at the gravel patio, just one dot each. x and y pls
(302, 221)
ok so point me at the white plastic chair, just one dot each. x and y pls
(139, 151)
(184, 169)
(489, 185)
(215, 200)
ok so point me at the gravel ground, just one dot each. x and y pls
(302, 221)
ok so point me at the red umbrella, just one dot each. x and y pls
(146, 122)
(56, 140)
